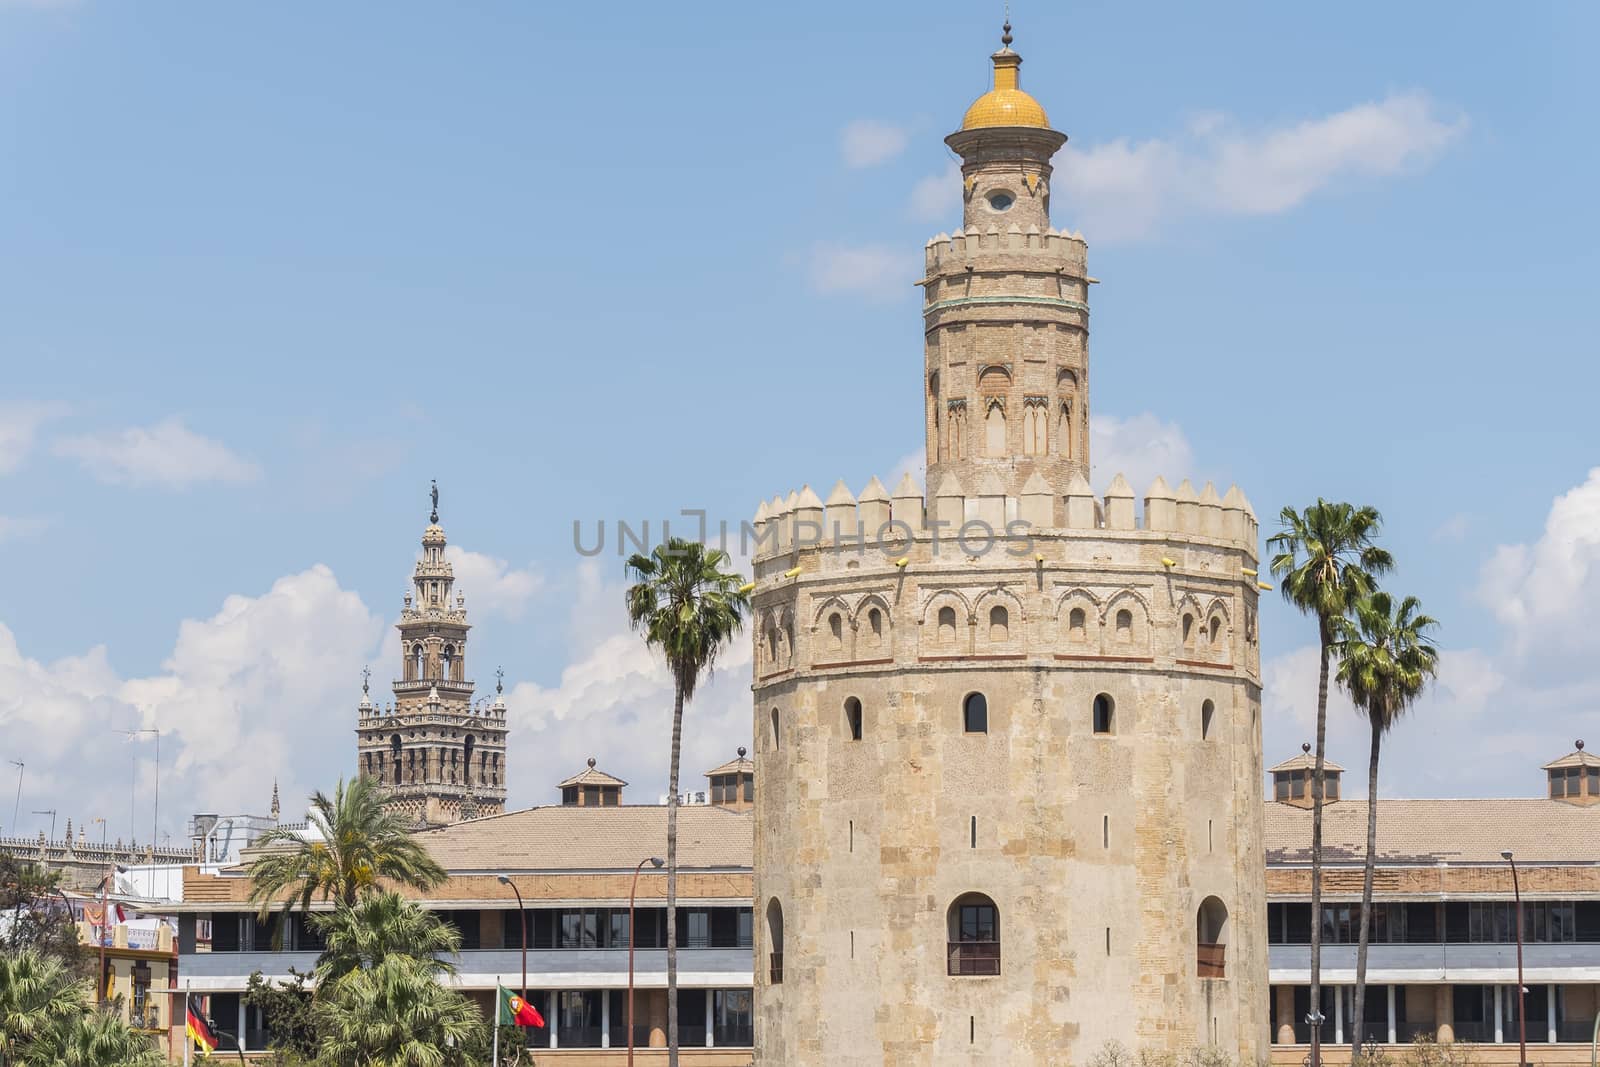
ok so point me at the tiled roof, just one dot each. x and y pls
(1434, 831)
(741, 763)
(1577, 758)
(591, 776)
(575, 838)
(1306, 761)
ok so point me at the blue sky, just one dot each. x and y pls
(266, 270)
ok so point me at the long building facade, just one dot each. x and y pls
(1442, 961)
(1007, 734)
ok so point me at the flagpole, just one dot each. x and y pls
(497, 1023)
(187, 1040)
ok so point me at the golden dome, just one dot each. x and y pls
(1005, 104)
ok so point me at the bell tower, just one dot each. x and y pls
(1005, 309)
(440, 755)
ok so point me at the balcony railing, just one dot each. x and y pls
(1210, 960)
(776, 972)
(969, 958)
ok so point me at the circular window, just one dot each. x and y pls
(1001, 201)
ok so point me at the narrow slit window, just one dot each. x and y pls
(852, 718)
(974, 831)
(1105, 831)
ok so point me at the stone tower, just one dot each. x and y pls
(1009, 735)
(441, 757)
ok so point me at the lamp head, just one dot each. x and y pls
(656, 861)
(1506, 854)
(503, 879)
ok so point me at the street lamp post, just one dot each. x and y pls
(522, 916)
(20, 766)
(1522, 1015)
(631, 894)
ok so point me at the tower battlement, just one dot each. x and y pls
(1208, 523)
(1030, 249)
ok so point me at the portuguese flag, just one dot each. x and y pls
(515, 1011)
(199, 1030)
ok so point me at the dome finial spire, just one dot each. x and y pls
(433, 494)
(1005, 31)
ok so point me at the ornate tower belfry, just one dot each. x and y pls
(1005, 309)
(440, 756)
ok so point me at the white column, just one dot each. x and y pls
(1550, 1010)
(605, 1018)
(240, 1030)
(554, 1019)
(1499, 1014)
(711, 1044)
(1338, 1015)
(1391, 1016)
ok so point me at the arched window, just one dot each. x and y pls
(449, 658)
(1104, 714)
(836, 631)
(975, 714)
(494, 769)
(1035, 420)
(466, 749)
(875, 627)
(1188, 630)
(1214, 632)
(416, 662)
(394, 747)
(974, 926)
(775, 940)
(1211, 938)
(852, 718)
(1076, 620)
(1125, 627)
(999, 624)
(1064, 429)
(994, 429)
(947, 625)
(1207, 711)
(776, 737)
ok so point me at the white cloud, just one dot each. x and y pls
(879, 272)
(167, 455)
(1547, 594)
(263, 690)
(938, 196)
(19, 426)
(491, 585)
(871, 142)
(1454, 529)
(614, 702)
(1127, 189)
(1139, 447)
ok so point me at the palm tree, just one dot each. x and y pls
(38, 996)
(689, 607)
(356, 841)
(380, 926)
(396, 1014)
(1325, 561)
(1386, 657)
(101, 1039)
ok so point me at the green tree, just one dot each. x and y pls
(380, 926)
(686, 605)
(40, 919)
(1386, 658)
(39, 996)
(97, 1038)
(355, 841)
(286, 1007)
(1325, 561)
(396, 1014)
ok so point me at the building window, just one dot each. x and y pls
(749, 787)
(999, 624)
(775, 941)
(974, 928)
(1207, 711)
(835, 632)
(1211, 936)
(732, 1018)
(1075, 625)
(947, 626)
(975, 714)
(1125, 627)
(775, 735)
(852, 717)
(875, 627)
(1188, 630)
(1104, 714)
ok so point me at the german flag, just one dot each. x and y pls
(199, 1030)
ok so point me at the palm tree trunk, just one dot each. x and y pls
(1366, 884)
(1316, 843)
(672, 879)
